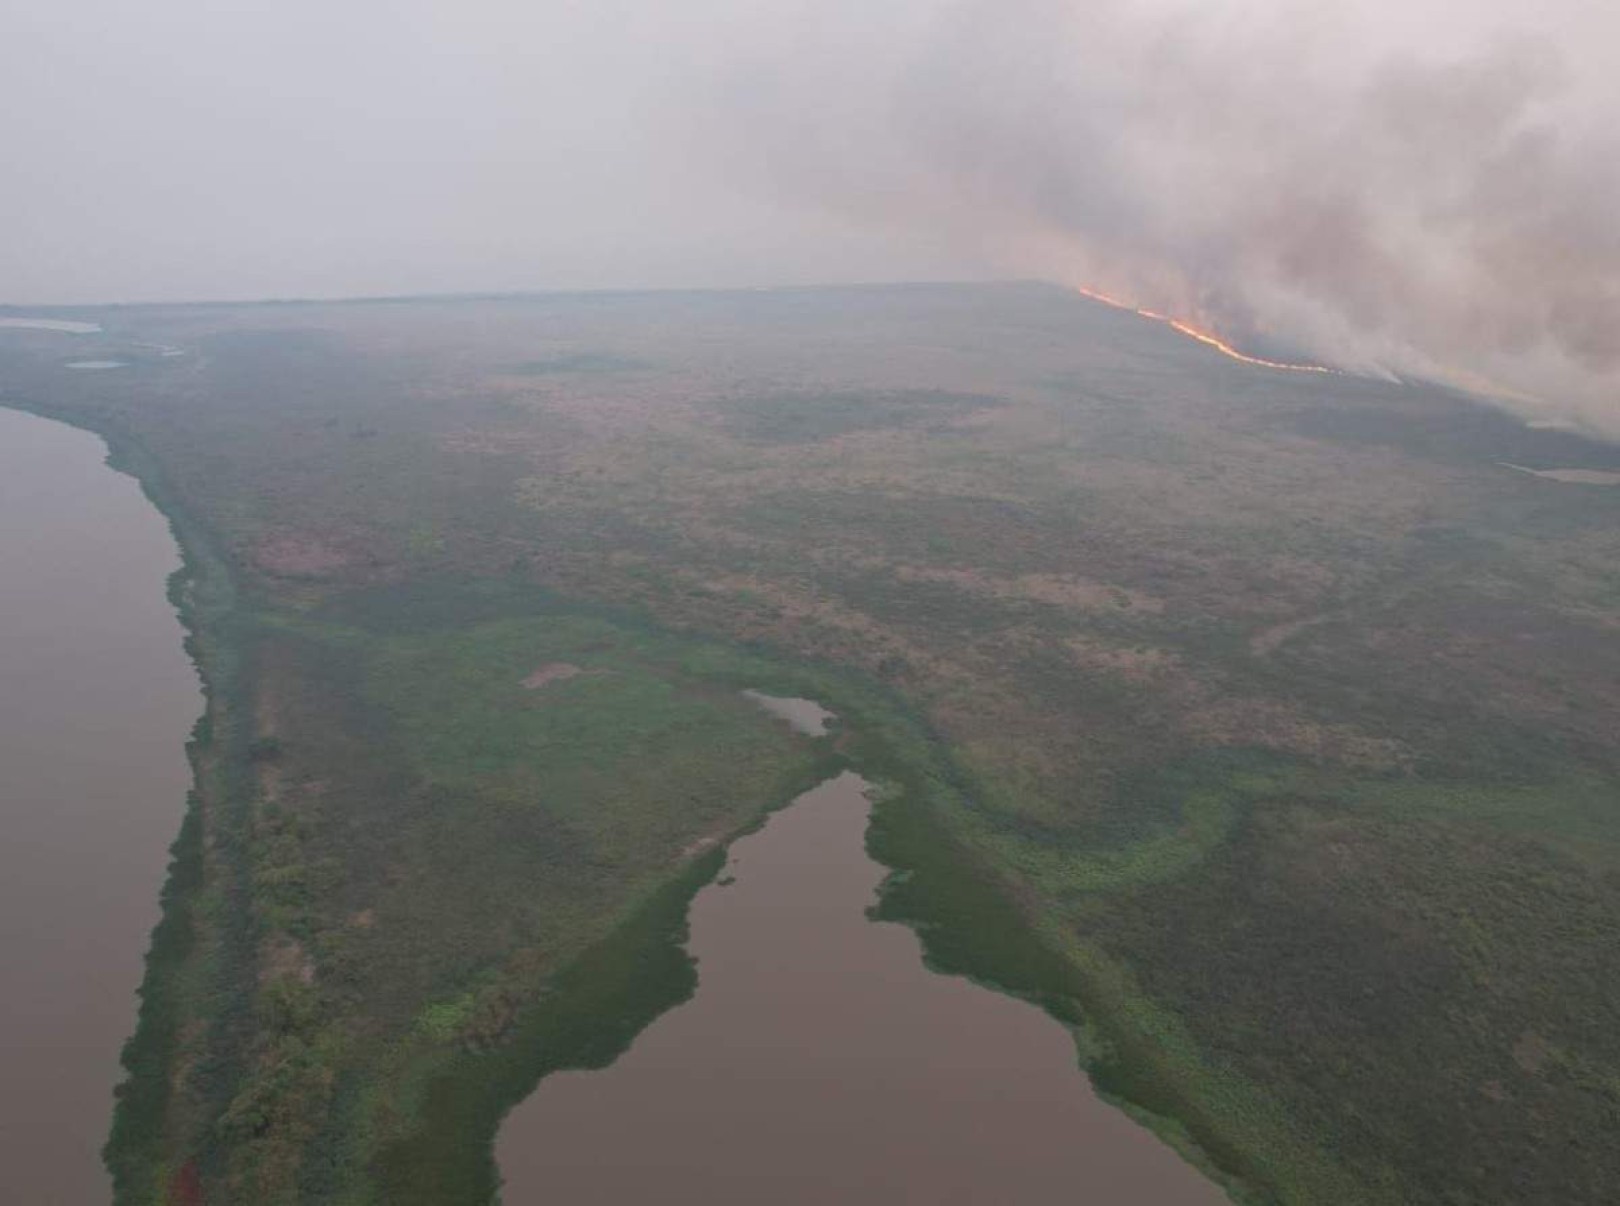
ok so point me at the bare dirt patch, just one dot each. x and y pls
(560, 672)
(284, 958)
(552, 672)
(299, 555)
(693, 849)
(1531, 1053)
(1268, 639)
(1068, 591)
(1138, 666)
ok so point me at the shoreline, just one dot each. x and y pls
(146, 1151)
(133, 1151)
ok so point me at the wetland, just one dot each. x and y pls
(820, 1061)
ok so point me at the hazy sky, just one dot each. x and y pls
(221, 148)
(1398, 184)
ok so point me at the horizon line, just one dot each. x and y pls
(7, 307)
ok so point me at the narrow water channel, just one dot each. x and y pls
(96, 700)
(821, 1063)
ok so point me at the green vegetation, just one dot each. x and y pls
(1259, 727)
(596, 1005)
(460, 814)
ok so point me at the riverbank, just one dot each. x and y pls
(1065, 545)
(821, 1061)
(191, 1061)
(98, 698)
(184, 960)
(204, 947)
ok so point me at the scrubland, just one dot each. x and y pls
(1261, 725)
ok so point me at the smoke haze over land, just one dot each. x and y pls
(1426, 187)
(1416, 186)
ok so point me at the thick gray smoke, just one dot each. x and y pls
(1417, 186)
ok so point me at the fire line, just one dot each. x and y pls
(1204, 337)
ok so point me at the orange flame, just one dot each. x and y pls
(1204, 337)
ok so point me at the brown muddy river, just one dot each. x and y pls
(96, 701)
(821, 1063)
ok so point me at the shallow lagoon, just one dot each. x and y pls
(821, 1062)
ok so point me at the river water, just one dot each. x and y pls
(821, 1064)
(97, 698)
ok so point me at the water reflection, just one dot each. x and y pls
(96, 700)
(820, 1062)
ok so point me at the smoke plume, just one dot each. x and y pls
(1419, 187)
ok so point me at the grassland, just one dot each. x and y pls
(1263, 727)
